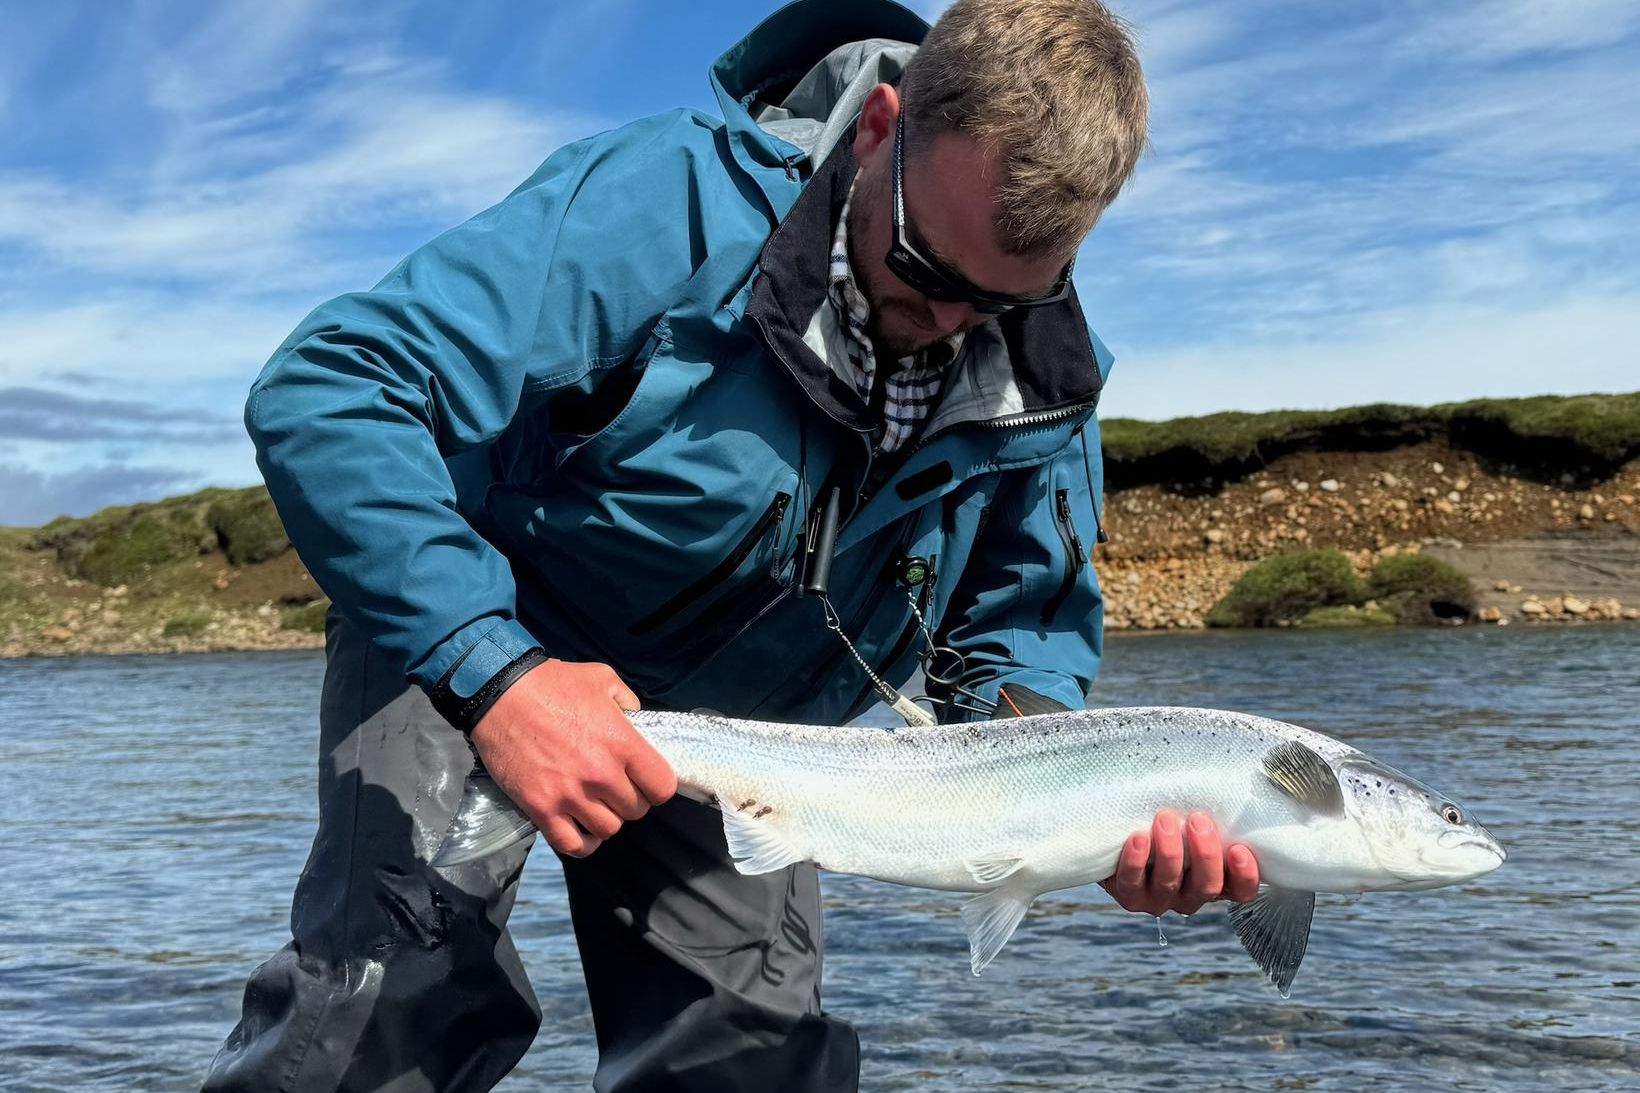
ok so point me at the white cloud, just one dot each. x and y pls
(1504, 29)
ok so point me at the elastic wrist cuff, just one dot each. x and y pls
(465, 712)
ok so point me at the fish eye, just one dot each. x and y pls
(1451, 815)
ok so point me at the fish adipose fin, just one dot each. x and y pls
(1275, 930)
(1304, 776)
(993, 868)
(486, 821)
(755, 846)
(990, 920)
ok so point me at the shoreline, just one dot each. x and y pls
(1541, 544)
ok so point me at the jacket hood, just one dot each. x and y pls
(790, 88)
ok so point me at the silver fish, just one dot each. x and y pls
(1015, 808)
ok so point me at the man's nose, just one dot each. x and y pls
(950, 316)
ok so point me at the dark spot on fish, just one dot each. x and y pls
(747, 803)
(762, 812)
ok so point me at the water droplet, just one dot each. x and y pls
(1161, 938)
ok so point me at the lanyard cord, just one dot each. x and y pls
(907, 709)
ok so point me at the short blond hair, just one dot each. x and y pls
(1055, 88)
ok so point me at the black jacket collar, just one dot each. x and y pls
(1049, 349)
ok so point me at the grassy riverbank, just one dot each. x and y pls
(1535, 500)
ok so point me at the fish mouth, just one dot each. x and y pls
(1461, 840)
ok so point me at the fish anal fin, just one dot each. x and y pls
(755, 845)
(990, 919)
(1303, 775)
(1274, 928)
(993, 868)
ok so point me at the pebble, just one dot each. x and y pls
(1273, 496)
(1330, 485)
(1533, 607)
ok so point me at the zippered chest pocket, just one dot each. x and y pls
(712, 581)
(1072, 558)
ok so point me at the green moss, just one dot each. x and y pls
(1287, 587)
(123, 554)
(120, 544)
(247, 526)
(1347, 616)
(1550, 433)
(190, 624)
(1421, 589)
(309, 619)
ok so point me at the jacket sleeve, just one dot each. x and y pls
(356, 412)
(1027, 610)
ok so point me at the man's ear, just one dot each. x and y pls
(875, 130)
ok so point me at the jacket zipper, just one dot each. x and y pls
(1073, 555)
(718, 574)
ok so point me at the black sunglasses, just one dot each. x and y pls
(938, 281)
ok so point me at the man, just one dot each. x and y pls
(579, 452)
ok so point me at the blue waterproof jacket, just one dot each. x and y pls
(593, 418)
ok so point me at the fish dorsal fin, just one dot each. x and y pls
(1303, 775)
(993, 868)
(756, 846)
(990, 919)
(1274, 928)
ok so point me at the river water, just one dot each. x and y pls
(156, 810)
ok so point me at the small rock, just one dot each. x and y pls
(1489, 614)
(265, 611)
(1586, 512)
(1437, 468)
(1389, 480)
(1400, 504)
(1632, 613)
(56, 633)
(1574, 606)
(1273, 496)
(121, 590)
(1330, 485)
(1215, 535)
(1454, 497)
(1533, 608)
(1500, 586)
(1301, 487)
(1443, 505)
(1461, 484)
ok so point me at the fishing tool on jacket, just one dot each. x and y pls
(942, 665)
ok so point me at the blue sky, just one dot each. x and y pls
(1384, 200)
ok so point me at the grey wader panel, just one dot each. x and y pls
(404, 979)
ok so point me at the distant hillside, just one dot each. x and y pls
(1190, 504)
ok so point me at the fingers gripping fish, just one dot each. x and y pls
(1015, 808)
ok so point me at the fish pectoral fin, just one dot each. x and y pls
(993, 868)
(990, 919)
(756, 846)
(1303, 775)
(1274, 928)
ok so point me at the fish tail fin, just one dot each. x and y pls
(486, 821)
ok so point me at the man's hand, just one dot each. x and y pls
(559, 743)
(1176, 867)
